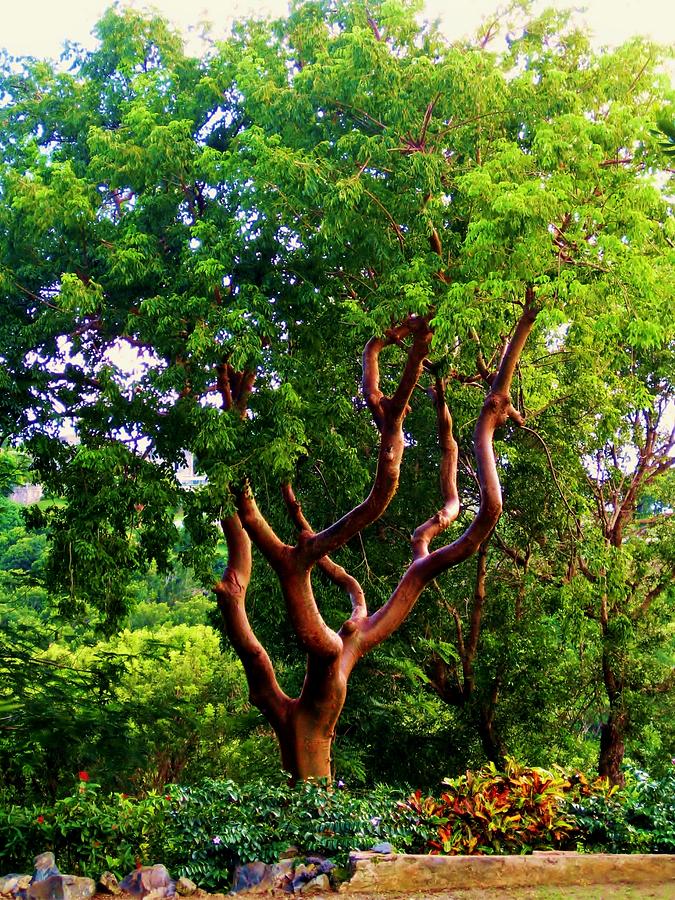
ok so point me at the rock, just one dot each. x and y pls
(14, 884)
(313, 868)
(149, 881)
(261, 878)
(45, 867)
(320, 883)
(290, 853)
(78, 888)
(384, 847)
(282, 875)
(61, 887)
(109, 884)
(185, 887)
(250, 875)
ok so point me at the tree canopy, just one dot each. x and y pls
(194, 254)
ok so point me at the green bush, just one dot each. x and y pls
(639, 818)
(204, 831)
(219, 824)
(137, 711)
(88, 832)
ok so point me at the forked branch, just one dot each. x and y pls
(314, 636)
(497, 409)
(337, 574)
(388, 414)
(447, 514)
(264, 689)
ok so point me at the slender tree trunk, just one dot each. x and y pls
(616, 511)
(613, 731)
(491, 742)
(612, 747)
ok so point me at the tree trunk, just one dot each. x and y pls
(491, 742)
(613, 731)
(305, 743)
(612, 747)
(308, 728)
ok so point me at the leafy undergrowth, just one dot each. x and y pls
(204, 831)
(638, 819)
(498, 812)
(523, 809)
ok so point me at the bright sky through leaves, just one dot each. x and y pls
(40, 27)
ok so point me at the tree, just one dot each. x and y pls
(631, 576)
(340, 182)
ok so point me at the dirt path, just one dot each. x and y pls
(589, 892)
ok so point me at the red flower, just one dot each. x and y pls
(167, 796)
(83, 776)
(40, 820)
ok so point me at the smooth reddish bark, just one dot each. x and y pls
(305, 726)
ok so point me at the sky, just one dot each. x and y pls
(39, 27)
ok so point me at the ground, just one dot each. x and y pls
(589, 892)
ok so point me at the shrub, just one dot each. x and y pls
(515, 811)
(218, 824)
(639, 818)
(204, 831)
(87, 832)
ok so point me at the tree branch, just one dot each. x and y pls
(337, 574)
(264, 690)
(448, 513)
(497, 408)
(389, 415)
(261, 533)
(554, 476)
(234, 387)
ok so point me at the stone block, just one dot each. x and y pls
(319, 884)
(61, 887)
(14, 884)
(399, 873)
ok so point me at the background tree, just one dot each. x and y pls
(196, 252)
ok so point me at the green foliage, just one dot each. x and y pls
(218, 824)
(639, 818)
(89, 833)
(272, 206)
(137, 711)
(204, 831)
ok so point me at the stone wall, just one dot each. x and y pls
(394, 873)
